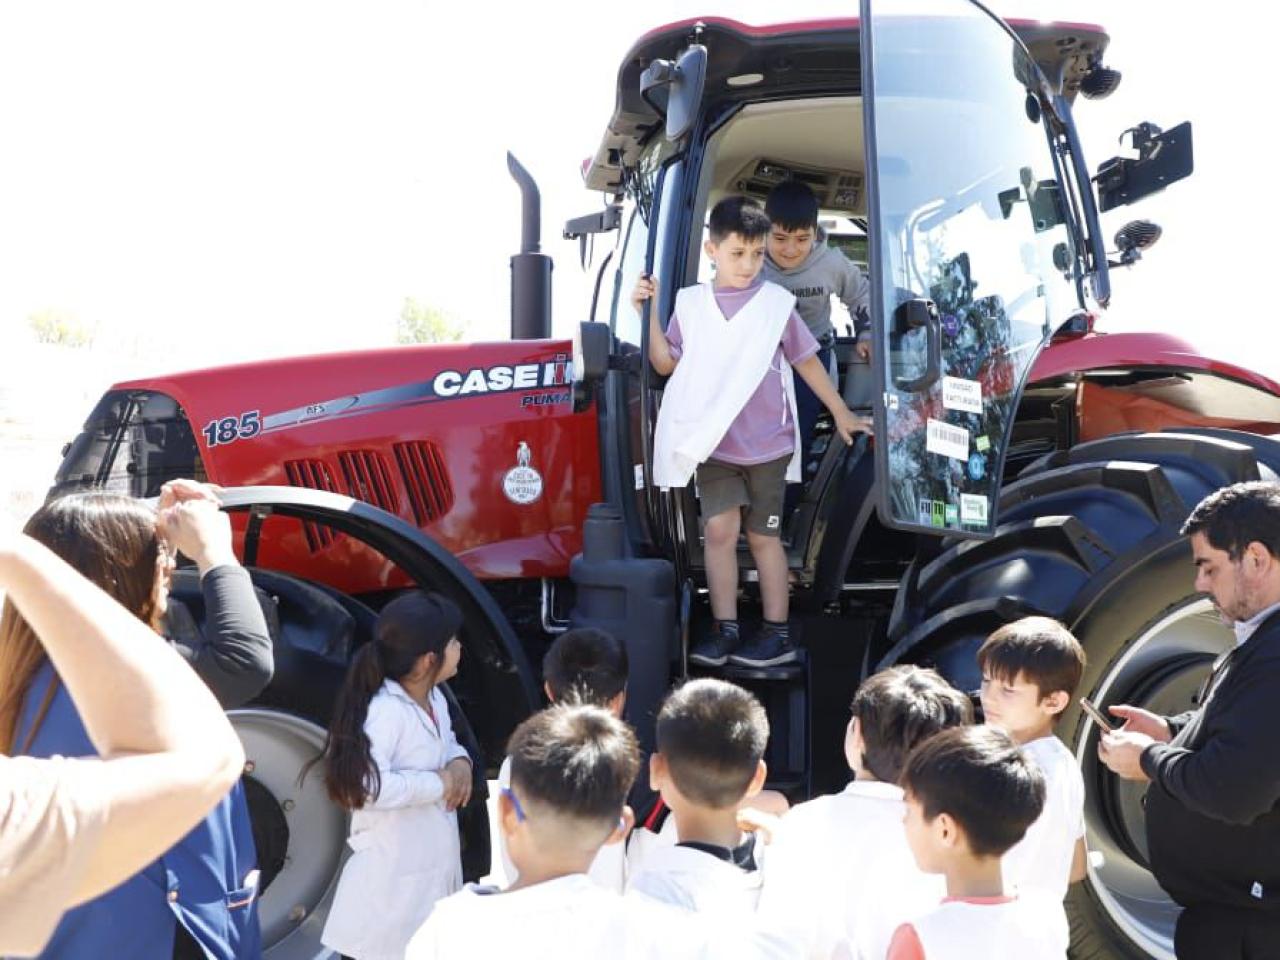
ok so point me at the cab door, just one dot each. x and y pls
(966, 225)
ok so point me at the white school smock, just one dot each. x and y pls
(1041, 860)
(609, 868)
(1022, 927)
(695, 880)
(721, 365)
(405, 849)
(839, 872)
(573, 918)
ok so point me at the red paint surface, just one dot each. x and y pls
(477, 435)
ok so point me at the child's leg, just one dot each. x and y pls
(771, 565)
(721, 534)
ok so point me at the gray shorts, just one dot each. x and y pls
(758, 488)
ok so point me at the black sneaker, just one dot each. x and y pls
(714, 651)
(771, 647)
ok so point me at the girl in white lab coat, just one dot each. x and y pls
(393, 761)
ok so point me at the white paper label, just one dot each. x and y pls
(639, 476)
(947, 440)
(963, 395)
(973, 509)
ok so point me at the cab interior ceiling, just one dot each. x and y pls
(818, 141)
(792, 64)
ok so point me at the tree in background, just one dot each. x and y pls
(59, 327)
(419, 323)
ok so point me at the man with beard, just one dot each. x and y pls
(1213, 808)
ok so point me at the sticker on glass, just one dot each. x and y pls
(947, 440)
(982, 443)
(965, 395)
(973, 509)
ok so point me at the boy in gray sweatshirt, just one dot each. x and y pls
(799, 259)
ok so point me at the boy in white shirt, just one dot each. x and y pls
(571, 768)
(971, 794)
(1030, 670)
(711, 737)
(839, 871)
(729, 414)
(582, 666)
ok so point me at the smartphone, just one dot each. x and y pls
(1097, 715)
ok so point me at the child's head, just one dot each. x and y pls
(1030, 669)
(895, 710)
(415, 641)
(971, 794)
(587, 666)
(792, 210)
(571, 768)
(711, 738)
(738, 231)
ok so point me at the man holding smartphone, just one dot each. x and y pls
(1213, 809)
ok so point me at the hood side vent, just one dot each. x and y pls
(425, 479)
(314, 475)
(367, 478)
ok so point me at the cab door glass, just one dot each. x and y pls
(965, 219)
(626, 319)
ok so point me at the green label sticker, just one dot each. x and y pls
(983, 443)
(953, 514)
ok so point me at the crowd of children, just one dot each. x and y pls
(951, 840)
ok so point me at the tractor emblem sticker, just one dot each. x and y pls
(522, 484)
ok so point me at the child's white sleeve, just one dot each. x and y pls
(397, 788)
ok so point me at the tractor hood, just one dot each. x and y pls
(801, 58)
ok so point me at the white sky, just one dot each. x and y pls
(208, 182)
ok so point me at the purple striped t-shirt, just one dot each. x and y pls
(763, 429)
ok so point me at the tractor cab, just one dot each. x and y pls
(940, 145)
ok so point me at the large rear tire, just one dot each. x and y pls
(1090, 536)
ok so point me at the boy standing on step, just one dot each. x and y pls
(729, 415)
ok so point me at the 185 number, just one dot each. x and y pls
(230, 429)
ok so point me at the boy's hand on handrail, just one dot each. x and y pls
(646, 288)
(848, 423)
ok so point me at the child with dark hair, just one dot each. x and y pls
(816, 876)
(971, 793)
(711, 738)
(1030, 671)
(728, 415)
(582, 666)
(391, 758)
(799, 259)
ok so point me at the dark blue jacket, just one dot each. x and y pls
(199, 883)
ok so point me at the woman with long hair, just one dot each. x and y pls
(199, 898)
(391, 759)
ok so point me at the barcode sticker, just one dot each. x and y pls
(958, 394)
(946, 440)
(973, 509)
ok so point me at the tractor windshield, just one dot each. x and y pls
(975, 254)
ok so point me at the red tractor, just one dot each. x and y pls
(1023, 462)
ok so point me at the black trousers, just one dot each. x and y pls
(1226, 933)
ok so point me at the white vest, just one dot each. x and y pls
(720, 367)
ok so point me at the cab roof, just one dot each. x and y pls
(796, 58)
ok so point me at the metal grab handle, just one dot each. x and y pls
(911, 315)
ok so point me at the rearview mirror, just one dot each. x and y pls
(674, 90)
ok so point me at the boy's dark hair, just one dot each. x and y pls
(983, 780)
(585, 666)
(899, 708)
(1236, 516)
(791, 205)
(1040, 648)
(712, 736)
(740, 215)
(578, 760)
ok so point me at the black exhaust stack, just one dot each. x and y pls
(530, 269)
